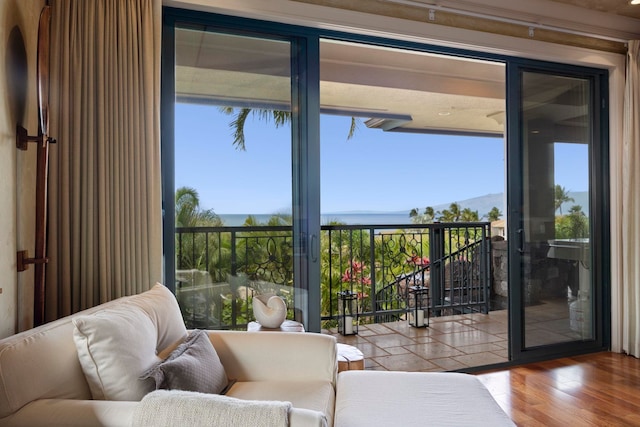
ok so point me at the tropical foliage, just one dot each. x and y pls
(494, 214)
(561, 196)
(188, 210)
(455, 213)
(574, 225)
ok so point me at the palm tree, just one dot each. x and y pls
(572, 226)
(494, 214)
(429, 213)
(188, 211)
(452, 214)
(196, 252)
(561, 196)
(467, 215)
(425, 218)
(280, 118)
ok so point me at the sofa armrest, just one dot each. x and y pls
(264, 356)
(300, 417)
(72, 413)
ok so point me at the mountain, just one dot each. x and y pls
(580, 198)
(483, 204)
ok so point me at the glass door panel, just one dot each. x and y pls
(553, 243)
(233, 179)
(412, 194)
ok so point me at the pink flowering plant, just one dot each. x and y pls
(358, 277)
(418, 261)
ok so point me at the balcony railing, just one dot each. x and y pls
(221, 268)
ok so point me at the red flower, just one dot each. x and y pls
(346, 277)
(416, 260)
(354, 273)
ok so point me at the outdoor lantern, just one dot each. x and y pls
(418, 306)
(348, 306)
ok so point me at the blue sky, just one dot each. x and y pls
(374, 171)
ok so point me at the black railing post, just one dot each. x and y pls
(179, 251)
(486, 262)
(372, 269)
(234, 272)
(436, 255)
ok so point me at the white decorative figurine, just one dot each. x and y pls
(270, 310)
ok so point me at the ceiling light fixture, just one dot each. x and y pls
(635, 1)
(389, 123)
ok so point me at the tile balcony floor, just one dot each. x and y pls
(449, 343)
(460, 341)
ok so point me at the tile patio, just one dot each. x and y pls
(449, 343)
(457, 342)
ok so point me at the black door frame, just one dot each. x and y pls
(598, 210)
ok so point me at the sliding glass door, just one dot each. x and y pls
(420, 134)
(556, 210)
(239, 226)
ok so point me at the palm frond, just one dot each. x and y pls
(237, 125)
(352, 128)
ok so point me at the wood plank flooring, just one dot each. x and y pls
(601, 389)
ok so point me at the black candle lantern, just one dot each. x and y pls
(348, 307)
(418, 306)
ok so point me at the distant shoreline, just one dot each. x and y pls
(235, 220)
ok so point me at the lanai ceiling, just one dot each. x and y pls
(389, 89)
(618, 7)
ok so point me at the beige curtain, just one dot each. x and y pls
(105, 213)
(630, 296)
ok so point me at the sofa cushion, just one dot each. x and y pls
(162, 308)
(73, 413)
(193, 366)
(316, 395)
(115, 346)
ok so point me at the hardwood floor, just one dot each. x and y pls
(601, 389)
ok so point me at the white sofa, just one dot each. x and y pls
(42, 382)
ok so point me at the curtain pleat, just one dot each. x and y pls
(105, 209)
(630, 303)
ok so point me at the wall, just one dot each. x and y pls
(18, 104)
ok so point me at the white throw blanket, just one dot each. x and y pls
(184, 408)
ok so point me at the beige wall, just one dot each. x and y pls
(18, 104)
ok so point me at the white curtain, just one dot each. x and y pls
(629, 314)
(105, 213)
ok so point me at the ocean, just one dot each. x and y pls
(482, 204)
(235, 220)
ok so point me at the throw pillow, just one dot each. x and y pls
(193, 366)
(115, 346)
(162, 308)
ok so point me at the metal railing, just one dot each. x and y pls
(220, 268)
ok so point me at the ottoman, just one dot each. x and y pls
(387, 398)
